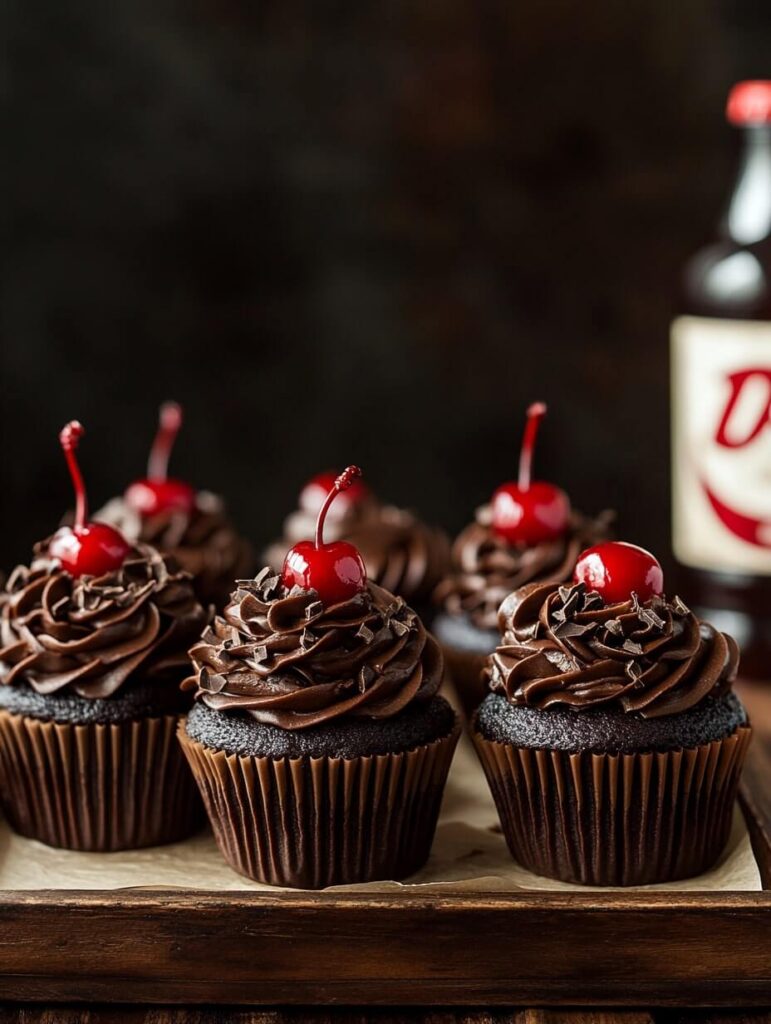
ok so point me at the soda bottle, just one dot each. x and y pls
(721, 403)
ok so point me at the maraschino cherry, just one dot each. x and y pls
(530, 511)
(157, 493)
(616, 570)
(84, 549)
(335, 571)
(316, 492)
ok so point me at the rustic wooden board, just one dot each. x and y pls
(433, 949)
(110, 1014)
(547, 948)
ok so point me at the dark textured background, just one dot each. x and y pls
(357, 232)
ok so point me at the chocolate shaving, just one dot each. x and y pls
(592, 600)
(307, 639)
(630, 647)
(314, 608)
(366, 676)
(270, 585)
(633, 669)
(650, 617)
(572, 602)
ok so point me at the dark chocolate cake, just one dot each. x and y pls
(280, 660)
(203, 541)
(90, 667)
(318, 740)
(612, 740)
(485, 568)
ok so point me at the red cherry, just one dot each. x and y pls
(528, 512)
(617, 569)
(90, 550)
(149, 497)
(315, 493)
(335, 571)
(85, 549)
(157, 493)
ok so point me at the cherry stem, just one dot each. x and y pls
(69, 438)
(342, 483)
(535, 414)
(169, 422)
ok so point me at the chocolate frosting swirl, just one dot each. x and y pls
(204, 543)
(91, 635)
(485, 567)
(286, 660)
(562, 646)
(401, 553)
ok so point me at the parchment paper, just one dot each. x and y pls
(469, 854)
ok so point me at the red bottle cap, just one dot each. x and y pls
(749, 103)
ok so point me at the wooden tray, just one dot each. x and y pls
(585, 948)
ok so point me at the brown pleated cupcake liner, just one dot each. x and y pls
(97, 787)
(464, 669)
(615, 819)
(313, 822)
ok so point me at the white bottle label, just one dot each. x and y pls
(721, 444)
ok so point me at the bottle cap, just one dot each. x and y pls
(750, 103)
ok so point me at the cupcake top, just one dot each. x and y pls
(90, 635)
(171, 515)
(486, 567)
(401, 553)
(564, 646)
(201, 539)
(287, 659)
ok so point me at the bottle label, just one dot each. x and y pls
(721, 444)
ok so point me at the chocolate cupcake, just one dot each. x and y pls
(192, 526)
(89, 702)
(528, 533)
(401, 553)
(93, 641)
(611, 738)
(201, 539)
(317, 739)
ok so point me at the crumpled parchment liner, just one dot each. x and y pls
(97, 787)
(469, 855)
(310, 823)
(615, 819)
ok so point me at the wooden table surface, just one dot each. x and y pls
(758, 701)
(224, 1015)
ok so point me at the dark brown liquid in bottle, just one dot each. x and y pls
(731, 279)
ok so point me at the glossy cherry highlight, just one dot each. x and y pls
(616, 570)
(157, 492)
(529, 512)
(335, 571)
(84, 549)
